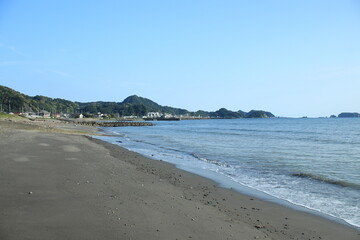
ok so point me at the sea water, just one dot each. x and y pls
(314, 163)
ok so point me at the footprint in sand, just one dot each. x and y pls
(71, 148)
(21, 159)
(44, 144)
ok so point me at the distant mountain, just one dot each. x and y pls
(13, 101)
(347, 115)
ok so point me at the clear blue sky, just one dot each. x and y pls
(293, 58)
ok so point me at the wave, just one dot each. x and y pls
(220, 130)
(327, 180)
(218, 163)
(291, 135)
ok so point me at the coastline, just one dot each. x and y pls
(60, 185)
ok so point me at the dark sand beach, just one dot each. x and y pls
(57, 183)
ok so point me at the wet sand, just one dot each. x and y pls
(56, 183)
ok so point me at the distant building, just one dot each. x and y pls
(44, 114)
(81, 115)
(57, 115)
(102, 115)
(130, 117)
(153, 115)
(167, 115)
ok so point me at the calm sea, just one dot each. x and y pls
(314, 163)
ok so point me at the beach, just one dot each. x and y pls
(57, 182)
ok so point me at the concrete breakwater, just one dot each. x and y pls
(111, 123)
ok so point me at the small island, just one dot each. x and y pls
(348, 115)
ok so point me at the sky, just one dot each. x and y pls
(292, 58)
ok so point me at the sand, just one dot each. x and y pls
(56, 183)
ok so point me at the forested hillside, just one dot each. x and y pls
(13, 101)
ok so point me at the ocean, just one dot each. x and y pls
(312, 163)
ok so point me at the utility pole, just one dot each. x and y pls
(9, 105)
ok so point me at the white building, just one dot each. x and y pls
(153, 115)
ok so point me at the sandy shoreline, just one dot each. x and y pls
(58, 184)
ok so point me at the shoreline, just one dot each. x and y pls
(98, 190)
(224, 182)
(251, 193)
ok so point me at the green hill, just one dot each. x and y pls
(13, 101)
(226, 114)
(259, 114)
(131, 106)
(152, 106)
